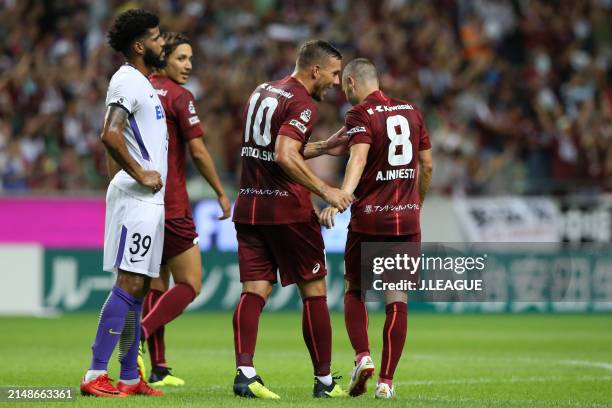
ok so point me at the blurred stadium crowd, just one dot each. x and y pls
(517, 94)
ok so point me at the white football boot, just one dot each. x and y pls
(384, 391)
(360, 376)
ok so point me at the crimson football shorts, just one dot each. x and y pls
(352, 252)
(179, 235)
(295, 250)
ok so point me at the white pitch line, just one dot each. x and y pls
(586, 363)
(598, 364)
(521, 403)
(501, 380)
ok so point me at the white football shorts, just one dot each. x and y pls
(133, 234)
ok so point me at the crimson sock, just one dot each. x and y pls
(246, 324)
(316, 328)
(356, 321)
(394, 336)
(169, 306)
(157, 346)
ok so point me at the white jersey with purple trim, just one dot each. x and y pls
(146, 135)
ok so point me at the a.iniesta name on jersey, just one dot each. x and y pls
(387, 175)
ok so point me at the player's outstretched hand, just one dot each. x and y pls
(338, 198)
(152, 180)
(337, 144)
(326, 217)
(226, 206)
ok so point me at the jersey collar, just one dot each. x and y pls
(136, 69)
(291, 78)
(378, 95)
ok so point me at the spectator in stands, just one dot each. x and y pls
(518, 93)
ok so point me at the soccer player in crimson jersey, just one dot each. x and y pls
(181, 254)
(390, 163)
(275, 221)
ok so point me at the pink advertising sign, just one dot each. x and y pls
(53, 222)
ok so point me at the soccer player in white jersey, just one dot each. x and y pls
(136, 139)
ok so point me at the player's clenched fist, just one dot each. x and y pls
(338, 198)
(152, 180)
(326, 217)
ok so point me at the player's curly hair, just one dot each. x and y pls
(130, 26)
(173, 40)
(314, 51)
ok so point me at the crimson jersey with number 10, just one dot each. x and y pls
(267, 194)
(387, 196)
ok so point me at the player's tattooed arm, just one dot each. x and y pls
(425, 172)
(314, 149)
(288, 157)
(335, 145)
(115, 122)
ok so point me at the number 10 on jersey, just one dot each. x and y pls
(268, 105)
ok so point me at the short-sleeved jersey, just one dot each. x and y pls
(183, 125)
(267, 194)
(387, 196)
(146, 135)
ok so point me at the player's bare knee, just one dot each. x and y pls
(261, 288)
(159, 284)
(195, 281)
(196, 285)
(312, 288)
(135, 284)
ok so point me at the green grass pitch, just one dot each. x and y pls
(449, 360)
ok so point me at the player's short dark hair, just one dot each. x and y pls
(173, 40)
(128, 27)
(315, 52)
(361, 69)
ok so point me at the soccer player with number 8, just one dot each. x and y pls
(389, 171)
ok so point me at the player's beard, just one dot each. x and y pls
(317, 93)
(152, 60)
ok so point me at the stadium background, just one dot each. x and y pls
(516, 95)
(518, 99)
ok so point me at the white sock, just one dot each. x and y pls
(93, 374)
(130, 382)
(249, 372)
(325, 379)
